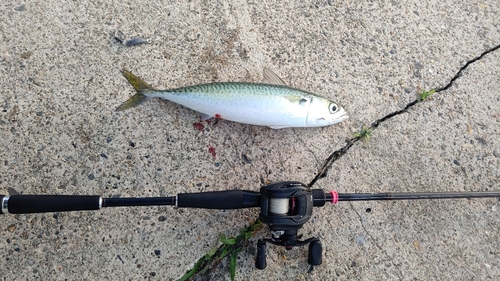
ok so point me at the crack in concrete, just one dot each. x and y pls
(376, 243)
(349, 143)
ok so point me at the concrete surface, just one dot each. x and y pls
(60, 76)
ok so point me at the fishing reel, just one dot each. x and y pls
(285, 207)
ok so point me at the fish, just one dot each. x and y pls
(272, 104)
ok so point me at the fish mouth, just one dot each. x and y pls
(330, 119)
(335, 120)
(343, 117)
(340, 116)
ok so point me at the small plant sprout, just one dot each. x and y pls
(230, 247)
(423, 95)
(365, 134)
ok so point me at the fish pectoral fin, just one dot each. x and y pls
(297, 99)
(204, 117)
(278, 127)
(272, 78)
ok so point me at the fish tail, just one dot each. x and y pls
(140, 86)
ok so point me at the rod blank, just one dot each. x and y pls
(413, 195)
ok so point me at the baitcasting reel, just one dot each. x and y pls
(285, 207)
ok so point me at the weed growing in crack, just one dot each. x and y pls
(365, 134)
(230, 247)
(425, 94)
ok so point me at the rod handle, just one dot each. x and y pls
(227, 199)
(25, 204)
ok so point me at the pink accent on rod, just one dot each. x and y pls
(335, 196)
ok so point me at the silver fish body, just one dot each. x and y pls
(275, 106)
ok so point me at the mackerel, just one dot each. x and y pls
(271, 104)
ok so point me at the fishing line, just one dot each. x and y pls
(278, 206)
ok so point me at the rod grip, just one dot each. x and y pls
(228, 199)
(24, 204)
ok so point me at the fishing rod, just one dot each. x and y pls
(285, 207)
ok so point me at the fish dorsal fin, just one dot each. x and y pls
(271, 77)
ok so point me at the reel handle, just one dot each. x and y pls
(314, 256)
(260, 261)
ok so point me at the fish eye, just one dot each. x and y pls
(333, 108)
